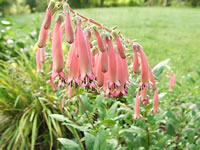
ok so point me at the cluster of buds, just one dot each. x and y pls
(96, 61)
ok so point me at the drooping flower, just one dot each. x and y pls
(125, 67)
(57, 54)
(68, 25)
(121, 77)
(42, 37)
(48, 15)
(69, 59)
(174, 79)
(152, 79)
(144, 97)
(171, 83)
(155, 102)
(135, 62)
(38, 61)
(42, 56)
(104, 62)
(83, 54)
(112, 68)
(87, 35)
(120, 47)
(100, 42)
(144, 67)
(137, 106)
(98, 73)
(74, 69)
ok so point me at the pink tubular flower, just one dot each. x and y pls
(68, 25)
(144, 97)
(105, 84)
(121, 77)
(144, 67)
(155, 102)
(120, 47)
(42, 57)
(74, 69)
(125, 66)
(100, 42)
(171, 83)
(104, 62)
(87, 35)
(48, 16)
(38, 61)
(137, 106)
(83, 54)
(174, 79)
(58, 59)
(112, 68)
(98, 73)
(152, 79)
(70, 55)
(135, 62)
(42, 37)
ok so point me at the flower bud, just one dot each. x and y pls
(68, 25)
(137, 107)
(120, 47)
(155, 102)
(135, 62)
(42, 37)
(48, 16)
(100, 42)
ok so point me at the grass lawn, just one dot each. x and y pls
(164, 32)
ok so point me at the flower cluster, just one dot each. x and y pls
(94, 59)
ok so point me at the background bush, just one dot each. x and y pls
(26, 6)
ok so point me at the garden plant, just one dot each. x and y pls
(86, 86)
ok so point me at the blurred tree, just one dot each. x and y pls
(32, 4)
(75, 3)
(101, 3)
(4, 6)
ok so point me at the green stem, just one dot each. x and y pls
(147, 129)
(85, 111)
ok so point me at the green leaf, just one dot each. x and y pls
(170, 129)
(59, 117)
(108, 122)
(159, 68)
(80, 128)
(89, 139)
(34, 133)
(69, 144)
(86, 103)
(112, 112)
(100, 141)
(162, 142)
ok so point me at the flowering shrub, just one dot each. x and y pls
(95, 61)
(75, 109)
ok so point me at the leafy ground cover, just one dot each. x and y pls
(34, 108)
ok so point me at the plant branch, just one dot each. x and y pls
(85, 111)
(147, 130)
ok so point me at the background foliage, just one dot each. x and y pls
(8, 7)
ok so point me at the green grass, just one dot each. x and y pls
(163, 32)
